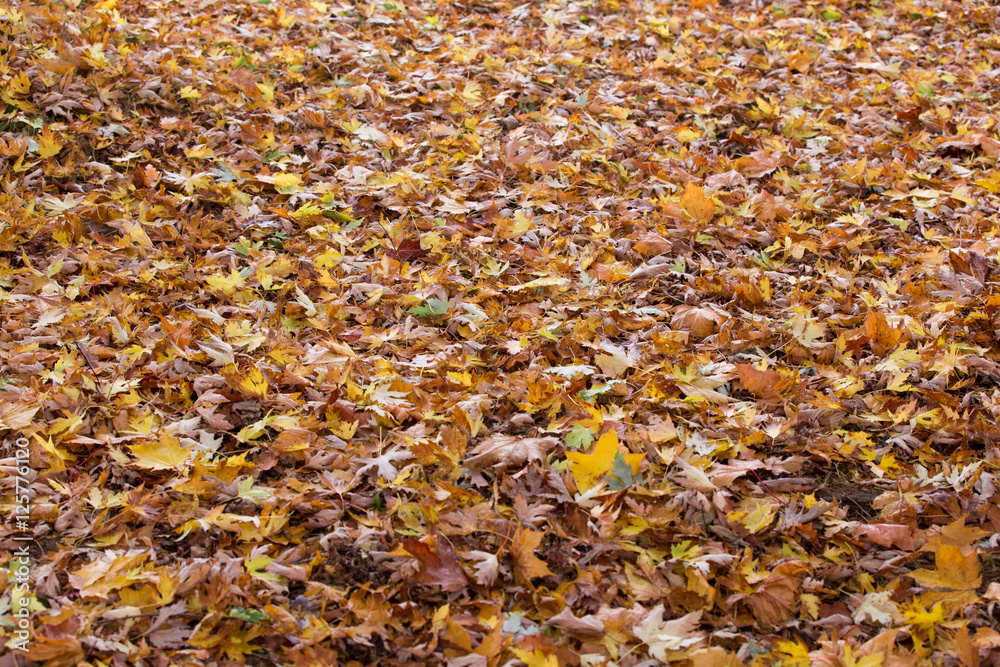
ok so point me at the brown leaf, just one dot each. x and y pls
(970, 263)
(649, 270)
(650, 244)
(889, 535)
(487, 567)
(756, 164)
(437, 569)
(730, 179)
(774, 600)
(702, 322)
(757, 382)
(882, 337)
(508, 451)
(527, 566)
(584, 625)
(406, 250)
(764, 206)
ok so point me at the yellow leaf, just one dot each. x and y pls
(68, 424)
(286, 183)
(256, 566)
(226, 285)
(688, 135)
(266, 90)
(253, 384)
(796, 651)
(759, 519)
(463, 378)
(473, 92)
(955, 571)
(917, 615)
(48, 145)
(199, 152)
(510, 229)
(58, 456)
(167, 454)
(536, 658)
(547, 281)
(189, 93)
(590, 469)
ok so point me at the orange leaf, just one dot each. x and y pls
(527, 566)
(696, 204)
(955, 571)
(759, 383)
(883, 338)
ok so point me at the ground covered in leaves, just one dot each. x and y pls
(485, 333)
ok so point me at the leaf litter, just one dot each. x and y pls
(584, 333)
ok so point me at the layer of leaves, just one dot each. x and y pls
(468, 333)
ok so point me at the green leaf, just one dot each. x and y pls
(620, 477)
(248, 615)
(246, 491)
(580, 437)
(432, 307)
(590, 394)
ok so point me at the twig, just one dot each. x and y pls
(767, 490)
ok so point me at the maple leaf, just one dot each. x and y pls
(663, 636)
(474, 225)
(527, 566)
(506, 451)
(773, 601)
(590, 469)
(955, 579)
(695, 204)
(622, 475)
(384, 463)
(580, 437)
(165, 454)
(536, 658)
(487, 567)
(437, 569)
(700, 321)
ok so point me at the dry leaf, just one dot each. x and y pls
(502, 452)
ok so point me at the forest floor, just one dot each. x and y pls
(483, 333)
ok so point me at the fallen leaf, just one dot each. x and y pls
(527, 566)
(437, 569)
(590, 469)
(664, 636)
(502, 452)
